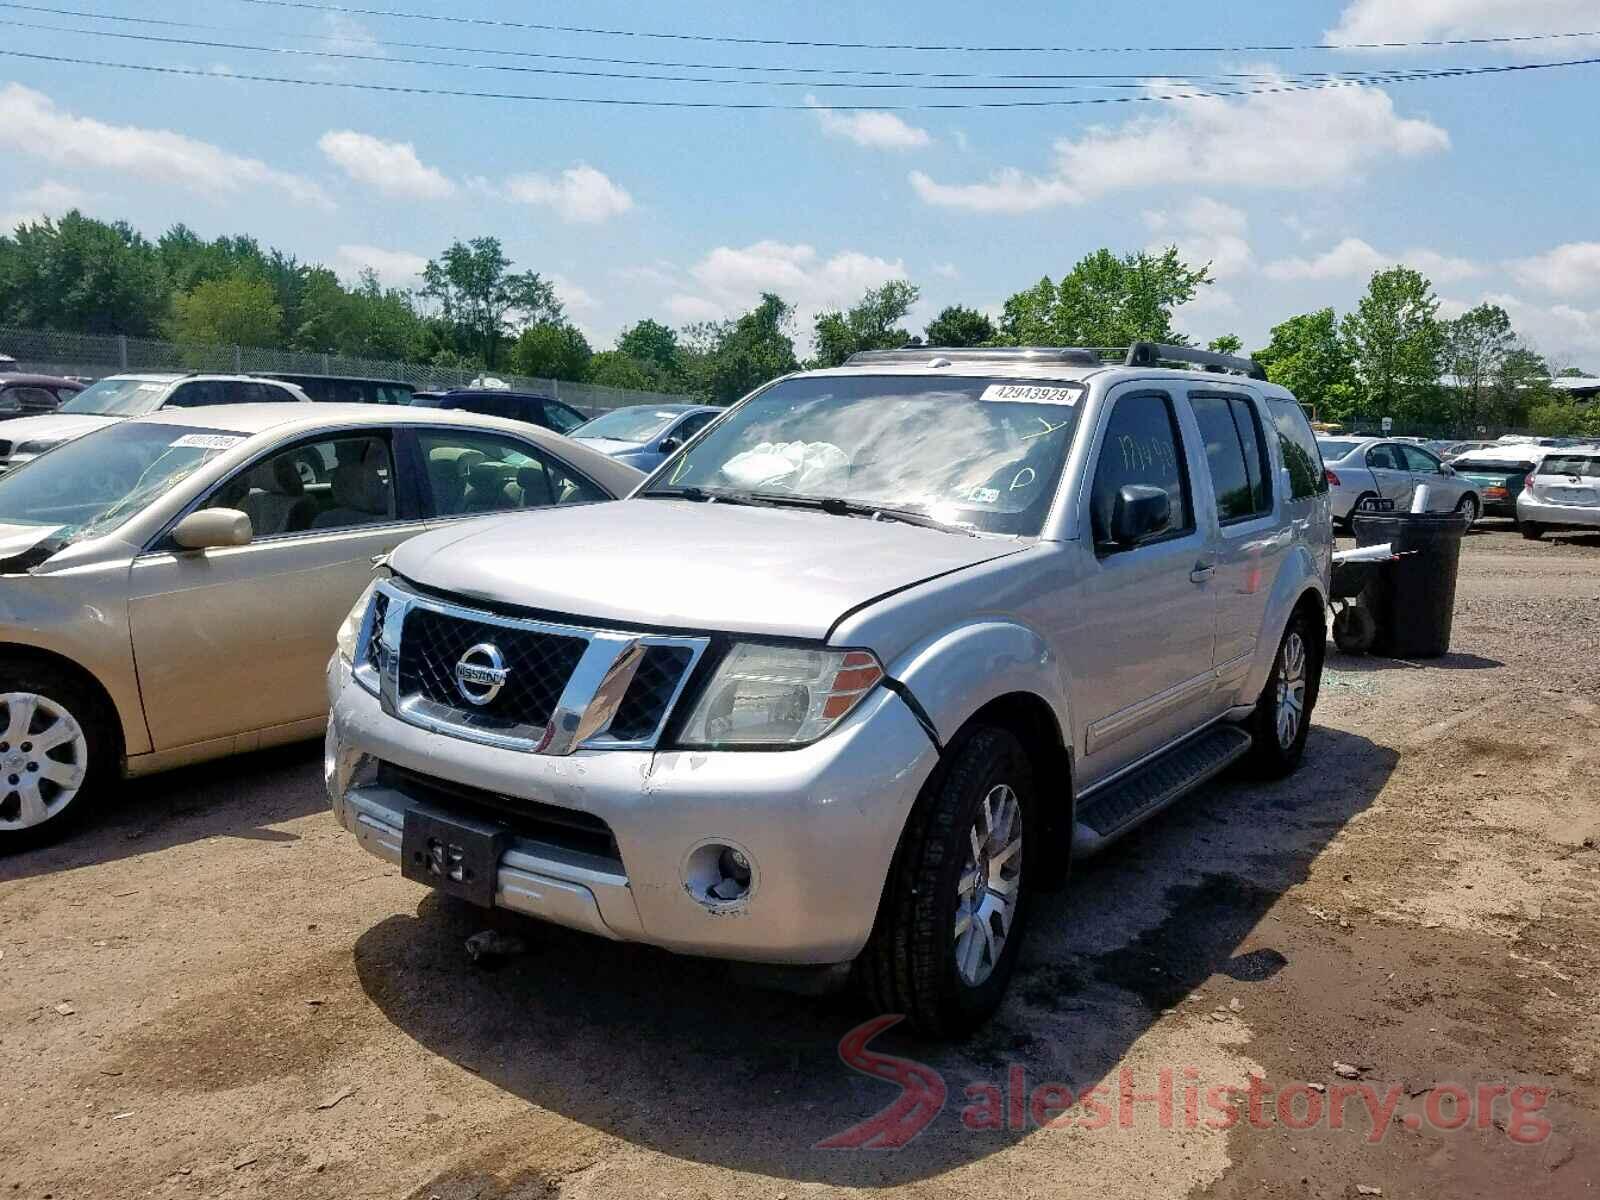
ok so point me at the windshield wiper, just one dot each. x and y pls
(840, 507)
(700, 495)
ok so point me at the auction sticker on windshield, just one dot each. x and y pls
(1022, 393)
(207, 441)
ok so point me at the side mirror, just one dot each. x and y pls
(211, 528)
(1141, 512)
(1446, 469)
(668, 445)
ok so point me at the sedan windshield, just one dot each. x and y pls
(981, 453)
(118, 398)
(90, 486)
(627, 424)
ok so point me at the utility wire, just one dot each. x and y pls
(674, 65)
(1140, 82)
(725, 39)
(616, 101)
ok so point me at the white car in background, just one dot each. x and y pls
(1368, 470)
(1561, 492)
(118, 397)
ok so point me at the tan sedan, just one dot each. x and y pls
(171, 587)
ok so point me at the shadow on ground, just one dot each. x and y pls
(667, 1054)
(232, 797)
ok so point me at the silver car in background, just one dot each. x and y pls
(642, 435)
(1561, 492)
(1363, 471)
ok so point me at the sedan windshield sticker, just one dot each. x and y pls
(207, 441)
(1023, 393)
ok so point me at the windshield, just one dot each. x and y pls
(90, 486)
(627, 424)
(118, 398)
(1332, 449)
(983, 453)
(1579, 465)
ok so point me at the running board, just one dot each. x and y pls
(1106, 815)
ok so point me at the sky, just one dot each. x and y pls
(1487, 183)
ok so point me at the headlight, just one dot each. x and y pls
(779, 695)
(350, 628)
(38, 447)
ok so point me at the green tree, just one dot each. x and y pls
(1396, 343)
(1228, 343)
(619, 369)
(872, 323)
(236, 311)
(726, 359)
(480, 298)
(552, 350)
(1306, 356)
(958, 326)
(651, 342)
(1106, 300)
(1477, 344)
(81, 275)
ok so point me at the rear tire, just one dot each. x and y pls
(1282, 719)
(57, 750)
(956, 901)
(1530, 531)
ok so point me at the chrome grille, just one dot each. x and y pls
(564, 686)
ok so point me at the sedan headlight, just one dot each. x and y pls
(779, 696)
(350, 627)
(38, 447)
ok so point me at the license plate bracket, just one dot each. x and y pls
(456, 855)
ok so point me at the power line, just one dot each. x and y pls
(675, 65)
(617, 101)
(726, 39)
(1033, 83)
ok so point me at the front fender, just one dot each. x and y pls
(955, 673)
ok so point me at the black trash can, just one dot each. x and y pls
(1413, 599)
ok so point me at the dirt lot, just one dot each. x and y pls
(213, 992)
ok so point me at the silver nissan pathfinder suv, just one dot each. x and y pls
(857, 670)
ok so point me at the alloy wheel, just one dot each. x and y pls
(1291, 688)
(989, 887)
(44, 756)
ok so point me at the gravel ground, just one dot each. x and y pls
(213, 992)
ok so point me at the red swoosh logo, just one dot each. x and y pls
(921, 1098)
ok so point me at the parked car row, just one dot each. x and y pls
(1365, 471)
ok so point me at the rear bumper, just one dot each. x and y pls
(1543, 513)
(819, 826)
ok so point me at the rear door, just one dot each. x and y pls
(1390, 473)
(232, 642)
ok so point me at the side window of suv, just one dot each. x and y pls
(1236, 455)
(196, 394)
(1298, 445)
(1142, 446)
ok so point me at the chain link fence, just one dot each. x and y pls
(50, 352)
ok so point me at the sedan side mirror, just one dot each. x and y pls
(210, 528)
(668, 445)
(1141, 512)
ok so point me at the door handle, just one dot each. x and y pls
(1202, 572)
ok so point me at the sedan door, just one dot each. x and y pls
(232, 642)
(1445, 488)
(1390, 472)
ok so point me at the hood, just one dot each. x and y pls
(54, 425)
(683, 565)
(614, 447)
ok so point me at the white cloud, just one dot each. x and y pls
(731, 279)
(946, 270)
(393, 168)
(1561, 332)
(581, 194)
(1007, 191)
(1325, 138)
(32, 124)
(573, 296)
(1427, 20)
(1354, 259)
(1569, 270)
(876, 130)
(1205, 231)
(395, 268)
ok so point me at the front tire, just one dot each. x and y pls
(56, 750)
(1469, 506)
(1282, 720)
(956, 901)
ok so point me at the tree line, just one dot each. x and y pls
(1393, 355)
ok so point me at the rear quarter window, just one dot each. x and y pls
(1298, 445)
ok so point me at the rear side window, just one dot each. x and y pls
(1235, 454)
(1142, 446)
(561, 418)
(1298, 445)
(1385, 458)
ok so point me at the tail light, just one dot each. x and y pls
(1527, 481)
(1333, 480)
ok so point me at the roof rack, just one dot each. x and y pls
(946, 355)
(1153, 354)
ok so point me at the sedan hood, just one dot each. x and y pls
(684, 565)
(52, 426)
(614, 447)
(17, 540)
